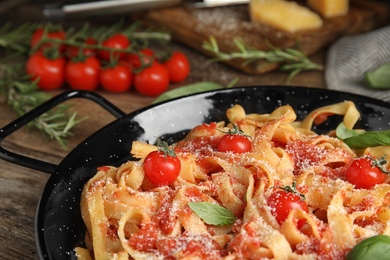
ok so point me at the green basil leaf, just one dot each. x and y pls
(379, 78)
(362, 140)
(212, 214)
(376, 247)
(369, 139)
(343, 132)
(186, 90)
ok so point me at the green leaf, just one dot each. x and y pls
(361, 140)
(376, 247)
(369, 139)
(343, 132)
(187, 90)
(212, 214)
(379, 78)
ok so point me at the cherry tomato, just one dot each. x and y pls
(235, 143)
(135, 59)
(83, 75)
(76, 51)
(117, 41)
(178, 66)
(282, 202)
(161, 168)
(38, 34)
(51, 73)
(363, 174)
(116, 79)
(153, 80)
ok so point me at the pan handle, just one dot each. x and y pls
(35, 113)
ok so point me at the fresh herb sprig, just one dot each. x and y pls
(16, 38)
(22, 95)
(291, 60)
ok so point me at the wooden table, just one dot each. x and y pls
(21, 188)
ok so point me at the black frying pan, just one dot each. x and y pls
(59, 227)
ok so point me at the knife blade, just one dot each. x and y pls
(108, 7)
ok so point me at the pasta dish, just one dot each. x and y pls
(288, 193)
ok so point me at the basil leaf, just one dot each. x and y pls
(212, 214)
(343, 132)
(376, 247)
(379, 78)
(186, 90)
(369, 139)
(361, 140)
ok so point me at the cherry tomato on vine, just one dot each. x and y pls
(161, 168)
(38, 34)
(235, 143)
(83, 75)
(49, 72)
(153, 80)
(178, 66)
(364, 174)
(135, 59)
(117, 41)
(76, 51)
(116, 79)
(282, 202)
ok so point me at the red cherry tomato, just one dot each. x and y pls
(38, 34)
(153, 80)
(161, 169)
(76, 51)
(178, 66)
(116, 79)
(117, 41)
(135, 59)
(51, 73)
(363, 174)
(235, 143)
(83, 75)
(282, 202)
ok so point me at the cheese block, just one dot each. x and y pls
(329, 8)
(284, 15)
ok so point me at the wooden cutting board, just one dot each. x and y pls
(193, 27)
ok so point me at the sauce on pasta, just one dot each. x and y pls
(127, 217)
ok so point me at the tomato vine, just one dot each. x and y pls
(19, 44)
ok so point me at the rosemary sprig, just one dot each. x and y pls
(16, 39)
(291, 60)
(22, 95)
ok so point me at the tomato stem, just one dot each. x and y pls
(235, 131)
(380, 163)
(293, 189)
(164, 147)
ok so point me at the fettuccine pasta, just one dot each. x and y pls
(127, 217)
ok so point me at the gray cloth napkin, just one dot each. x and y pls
(351, 57)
